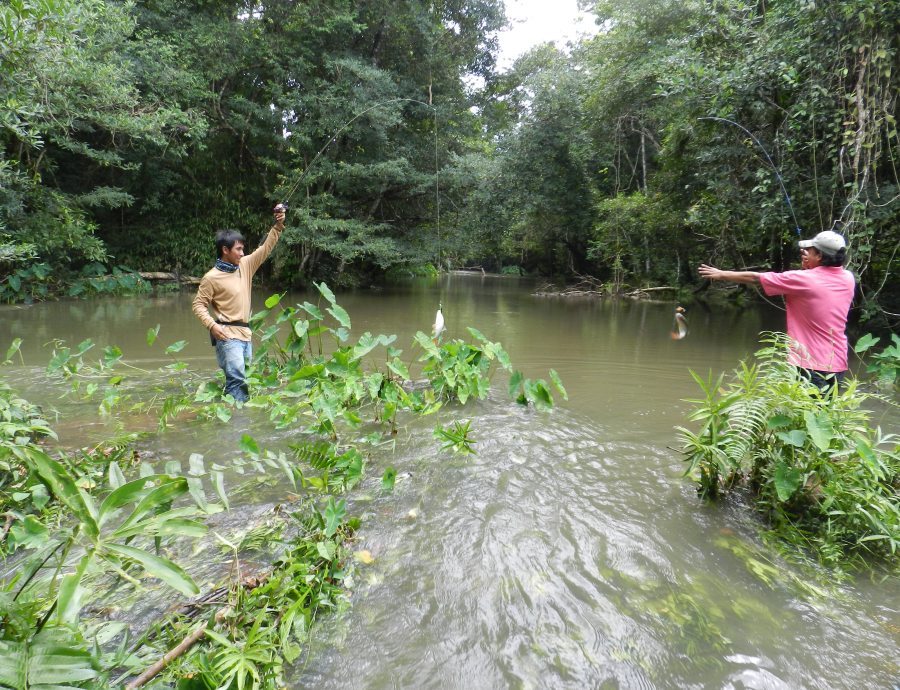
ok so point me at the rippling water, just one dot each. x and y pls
(569, 552)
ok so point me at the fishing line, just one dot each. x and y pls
(437, 188)
(787, 197)
(774, 167)
(333, 138)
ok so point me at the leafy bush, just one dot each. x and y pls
(884, 364)
(818, 471)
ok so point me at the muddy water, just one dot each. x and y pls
(569, 552)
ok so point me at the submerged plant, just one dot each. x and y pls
(821, 474)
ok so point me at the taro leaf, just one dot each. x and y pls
(559, 384)
(29, 533)
(426, 344)
(778, 421)
(218, 480)
(538, 392)
(312, 310)
(83, 347)
(13, 348)
(112, 354)
(388, 479)
(249, 445)
(334, 513)
(339, 313)
(342, 334)
(197, 467)
(163, 568)
(787, 480)
(152, 334)
(327, 549)
(820, 428)
(176, 347)
(301, 327)
(864, 343)
(399, 368)
(515, 382)
(195, 486)
(273, 300)
(326, 291)
(795, 438)
(366, 344)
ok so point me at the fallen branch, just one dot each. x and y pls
(170, 656)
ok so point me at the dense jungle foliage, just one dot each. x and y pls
(131, 131)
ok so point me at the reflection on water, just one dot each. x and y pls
(569, 552)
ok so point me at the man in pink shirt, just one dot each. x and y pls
(818, 300)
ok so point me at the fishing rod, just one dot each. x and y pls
(787, 197)
(333, 138)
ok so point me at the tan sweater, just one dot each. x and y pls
(228, 294)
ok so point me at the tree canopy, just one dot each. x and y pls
(683, 131)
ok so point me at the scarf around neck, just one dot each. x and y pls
(225, 266)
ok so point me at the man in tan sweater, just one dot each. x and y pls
(226, 289)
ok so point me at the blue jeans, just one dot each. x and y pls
(232, 356)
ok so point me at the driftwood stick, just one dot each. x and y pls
(170, 656)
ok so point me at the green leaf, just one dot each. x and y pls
(313, 311)
(159, 567)
(111, 355)
(796, 438)
(787, 480)
(273, 300)
(327, 549)
(339, 313)
(218, 480)
(127, 493)
(61, 485)
(176, 347)
(13, 349)
(152, 335)
(515, 382)
(778, 421)
(68, 603)
(820, 428)
(864, 343)
(388, 479)
(326, 292)
(334, 513)
(558, 383)
(249, 445)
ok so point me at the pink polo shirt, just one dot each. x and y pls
(818, 301)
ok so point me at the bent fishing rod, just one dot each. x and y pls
(333, 138)
(787, 197)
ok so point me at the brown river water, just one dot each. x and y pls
(569, 552)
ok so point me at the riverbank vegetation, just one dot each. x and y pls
(92, 532)
(681, 132)
(819, 470)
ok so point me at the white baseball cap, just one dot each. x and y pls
(826, 241)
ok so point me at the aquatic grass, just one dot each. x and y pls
(821, 475)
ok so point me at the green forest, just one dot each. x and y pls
(683, 131)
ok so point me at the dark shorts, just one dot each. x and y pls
(823, 380)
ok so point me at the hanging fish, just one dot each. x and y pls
(679, 326)
(438, 327)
